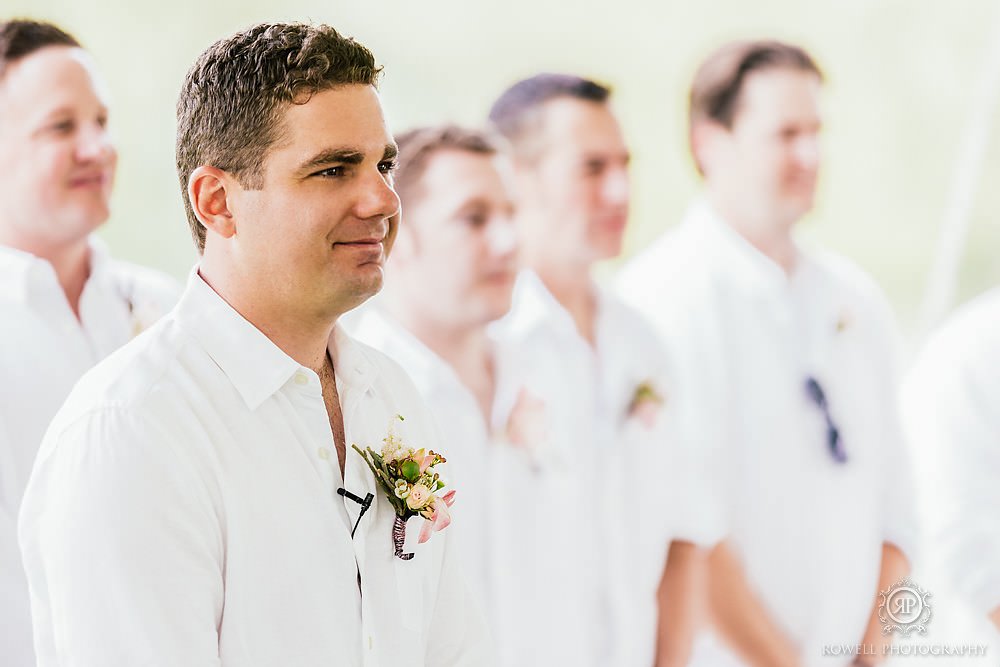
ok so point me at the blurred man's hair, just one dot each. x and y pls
(231, 105)
(418, 146)
(718, 83)
(20, 38)
(517, 113)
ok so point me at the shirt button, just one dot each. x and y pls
(301, 378)
(324, 453)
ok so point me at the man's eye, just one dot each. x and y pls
(387, 166)
(331, 172)
(63, 127)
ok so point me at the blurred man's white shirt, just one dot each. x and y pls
(183, 510)
(951, 408)
(44, 350)
(745, 337)
(608, 491)
(494, 479)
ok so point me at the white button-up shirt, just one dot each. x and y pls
(491, 477)
(746, 336)
(183, 510)
(609, 488)
(951, 401)
(44, 349)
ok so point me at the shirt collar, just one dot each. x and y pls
(733, 251)
(534, 306)
(22, 273)
(253, 363)
(352, 361)
(427, 370)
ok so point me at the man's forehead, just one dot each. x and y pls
(581, 126)
(49, 81)
(345, 118)
(777, 93)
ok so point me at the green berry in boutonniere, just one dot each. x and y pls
(411, 485)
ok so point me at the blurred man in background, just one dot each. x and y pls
(611, 471)
(786, 363)
(950, 399)
(451, 274)
(64, 303)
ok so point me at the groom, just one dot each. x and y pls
(184, 509)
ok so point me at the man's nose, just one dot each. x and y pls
(501, 237)
(379, 199)
(615, 188)
(807, 151)
(95, 143)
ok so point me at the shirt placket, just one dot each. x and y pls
(358, 480)
(323, 454)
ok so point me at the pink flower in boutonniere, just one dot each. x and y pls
(527, 424)
(438, 517)
(409, 482)
(645, 404)
(418, 496)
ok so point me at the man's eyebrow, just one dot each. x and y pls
(334, 155)
(344, 156)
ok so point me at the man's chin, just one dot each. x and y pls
(364, 289)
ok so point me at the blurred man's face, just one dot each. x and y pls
(576, 193)
(457, 243)
(57, 160)
(315, 235)
(767, 163)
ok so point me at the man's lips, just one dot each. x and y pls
(89, 181)
(362, 243)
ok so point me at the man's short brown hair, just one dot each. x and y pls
(517, 113)
(20, 38)
(715, 91)
(417, 146)
(229, 112)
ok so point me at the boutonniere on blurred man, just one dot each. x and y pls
(527, 424)
(645, 404)
(844, 321)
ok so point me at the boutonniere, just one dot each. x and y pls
(526, 424)
(645, 404)
(410, 483)
(140, 319)
(844, 320)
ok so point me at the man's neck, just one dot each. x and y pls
(302, 337)
(774, 240)
(467, 349)
(573, 288)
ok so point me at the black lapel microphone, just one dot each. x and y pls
(365, 503)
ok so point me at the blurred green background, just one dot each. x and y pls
(901, 93)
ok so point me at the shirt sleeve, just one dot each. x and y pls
(122, 548)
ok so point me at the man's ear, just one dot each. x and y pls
(209, 200)
(706, 137)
